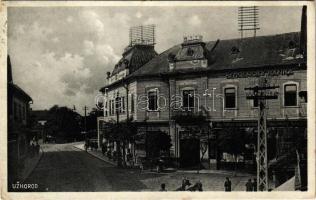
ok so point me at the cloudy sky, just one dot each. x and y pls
(61, 55)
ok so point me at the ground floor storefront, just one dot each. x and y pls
(217, 145)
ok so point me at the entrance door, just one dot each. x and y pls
(189, 152)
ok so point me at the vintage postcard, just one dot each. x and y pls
(157, 100)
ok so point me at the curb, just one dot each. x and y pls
(30, 172)
(96, 156)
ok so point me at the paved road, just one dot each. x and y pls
(66, 168)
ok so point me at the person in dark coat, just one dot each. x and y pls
(249, 185)
(163, 187)
(254, 185)
(228, 185)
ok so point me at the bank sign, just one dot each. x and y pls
(258, 73)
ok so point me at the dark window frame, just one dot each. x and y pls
(188, 104)
(288, 102)
(227, 96)
(152, 96)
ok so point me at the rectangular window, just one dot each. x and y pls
(230, 97)
(118, 104)
(122, 107)
(112, 107)
(290, 95)
(132, 104)
(152, 100)
(255, 103)
(188, 99)
(106, 109)
(20, 112)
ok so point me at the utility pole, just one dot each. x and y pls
(85, 118)
(118, 142)
(260, 94)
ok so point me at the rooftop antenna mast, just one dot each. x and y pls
(143, 35)
(248, 20)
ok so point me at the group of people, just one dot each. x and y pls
(251, 186)
(185, 186)
(113, 155)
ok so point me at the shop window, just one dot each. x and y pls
(230, 98)
(153, 100)
(188, 99)
(290, 95)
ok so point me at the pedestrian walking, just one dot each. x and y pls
(129, 158)
(249, 186)
(228, 185)
(254, 185)
(163, 187)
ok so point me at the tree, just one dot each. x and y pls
(122, 133)
(232, 141)
(157, 142)
(64, 123)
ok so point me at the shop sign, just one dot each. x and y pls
(258, 73)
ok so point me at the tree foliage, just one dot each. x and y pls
(64, 122)
(232, 141)
(157, 142)
(122, 131)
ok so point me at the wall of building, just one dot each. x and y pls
(245, 108)
(162, 114)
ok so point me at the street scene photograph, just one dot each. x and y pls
(157, 98)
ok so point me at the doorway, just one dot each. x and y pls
(189, 153)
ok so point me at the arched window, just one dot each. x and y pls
(290, 94)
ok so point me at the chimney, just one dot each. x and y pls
(303, 36)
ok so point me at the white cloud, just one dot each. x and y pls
(195, 20)
(88, 47)
(55, 39)
(92, 22)
(138, 15)
(69, 19)
(105, 54)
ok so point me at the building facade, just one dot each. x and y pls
(195, 92)
(19, 133)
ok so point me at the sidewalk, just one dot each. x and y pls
(29, 165)
(98, 154)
